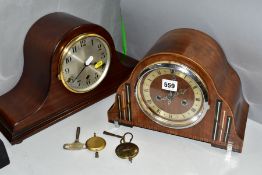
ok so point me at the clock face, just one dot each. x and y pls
(172, 95)
(84, 63)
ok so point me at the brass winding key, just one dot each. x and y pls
(125, 150)
(76, 145)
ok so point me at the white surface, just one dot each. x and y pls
(17, 16)
(42, 154)
(235, 24)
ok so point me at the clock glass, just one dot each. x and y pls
(172, 95)
(84, 62)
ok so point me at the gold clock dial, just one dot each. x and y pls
(84, 63)
(172, 95)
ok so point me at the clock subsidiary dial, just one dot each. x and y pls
(84, 63)
(172, 95)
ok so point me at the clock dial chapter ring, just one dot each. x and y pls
(84, 62)
(181, 108)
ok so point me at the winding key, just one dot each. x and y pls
(125, 150)
(76, 145)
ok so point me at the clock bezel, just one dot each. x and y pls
(202, 54)
(65, 51)
(173, 123)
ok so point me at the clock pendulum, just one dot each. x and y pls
(96, 144)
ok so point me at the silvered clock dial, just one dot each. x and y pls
(84, 63)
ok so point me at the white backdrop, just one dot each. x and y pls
(16, 17)
(235, 24)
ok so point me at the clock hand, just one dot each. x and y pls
(182, 91)
(169, 100)
(158, 97)
(89, 60)
(79, 73)
(170, 96)
(87, 63)
(99, 64)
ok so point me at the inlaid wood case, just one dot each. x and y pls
(185, 86)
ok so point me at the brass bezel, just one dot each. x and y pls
(165, 122)
(66, 50)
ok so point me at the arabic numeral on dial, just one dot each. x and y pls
(79, 82)
(67, 70)
(96, 76)
(83, 43)
(88, 82)
(103, 67)
(99, 46)
(74, 49)
(103, 55)
(68, 60)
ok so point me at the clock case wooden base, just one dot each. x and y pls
(39, 99)
(223, 124)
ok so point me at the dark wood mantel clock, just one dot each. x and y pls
(185, 86)
(69, 64)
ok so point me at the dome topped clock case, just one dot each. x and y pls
(69, 64)
(185, 86)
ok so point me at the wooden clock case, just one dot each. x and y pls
(39, 99)
(202, 54)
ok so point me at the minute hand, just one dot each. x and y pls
(182, 91)
(87, 63)
(79, 73)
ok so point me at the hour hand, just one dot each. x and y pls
(89, 60)
(87, 63)
(182, 91)
(159, 98)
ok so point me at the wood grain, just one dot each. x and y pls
(203, 55)
(39, 99)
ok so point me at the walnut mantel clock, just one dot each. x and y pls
(69, 64)
(185, 86)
